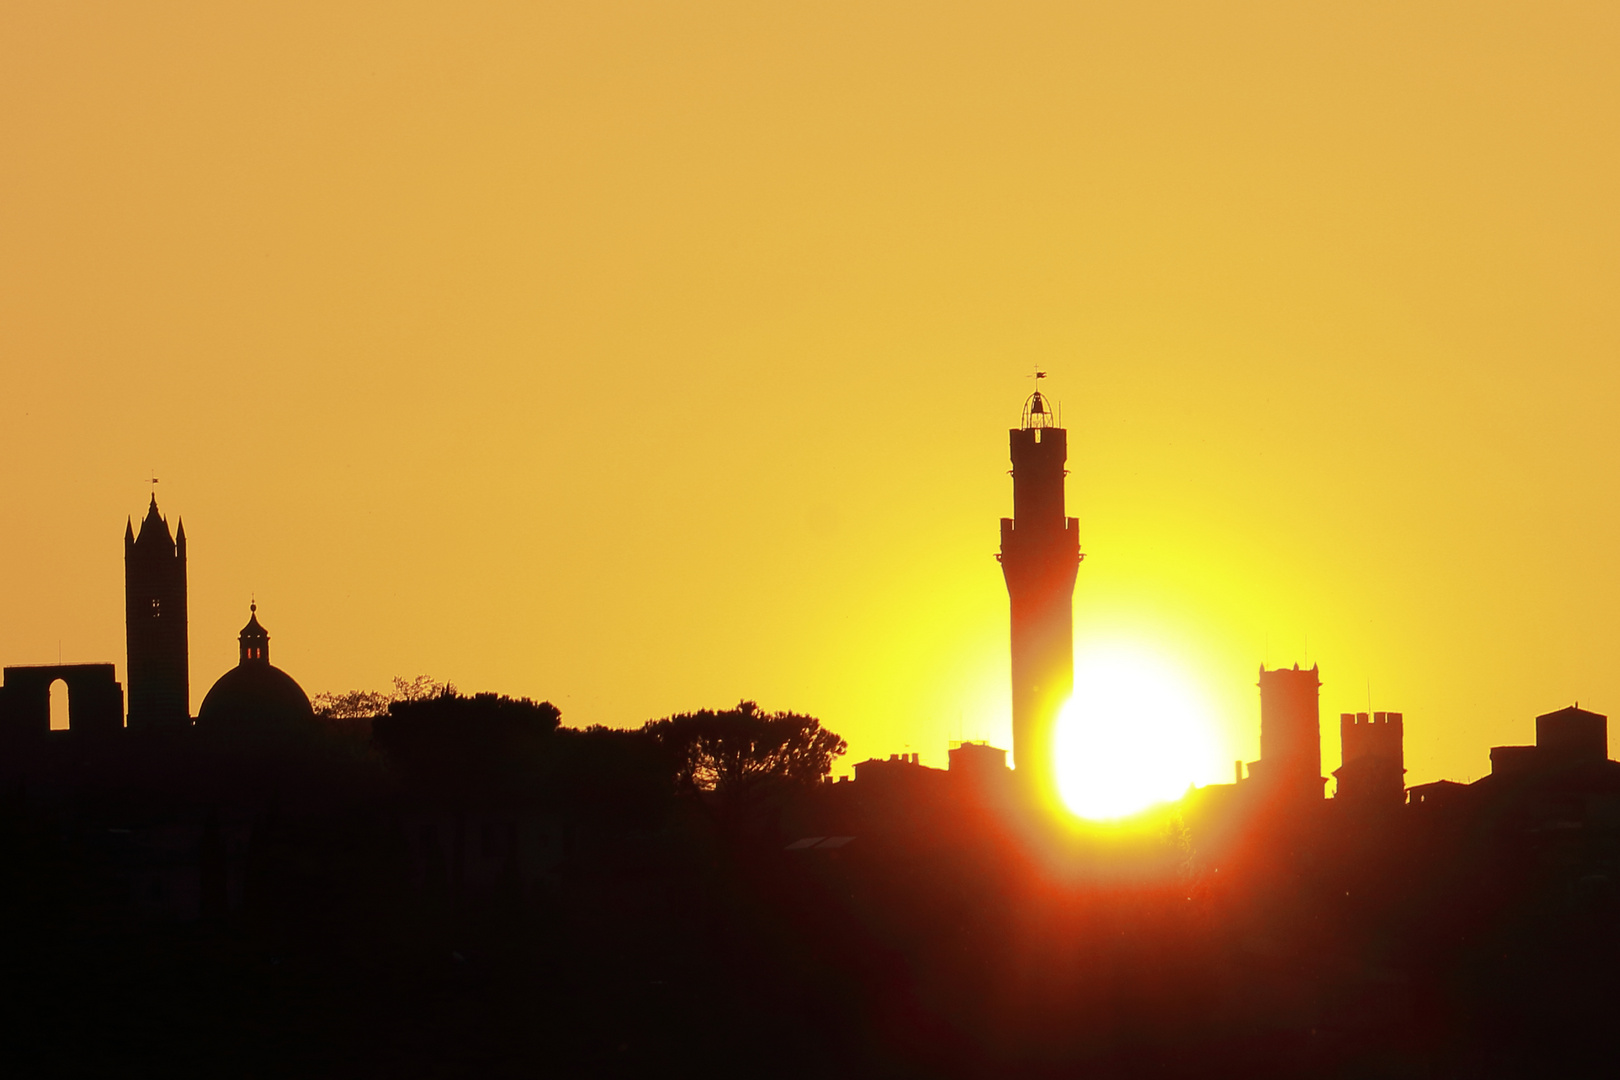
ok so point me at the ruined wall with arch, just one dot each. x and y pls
(95, 699)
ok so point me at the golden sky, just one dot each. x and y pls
(646, 357)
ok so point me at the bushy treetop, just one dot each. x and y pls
(731, 751)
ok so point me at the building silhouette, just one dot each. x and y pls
(1572, 736)
(1373, 773)
(971, 767)
(254, 693)
(155, 624)
(978, 760)
(95, 699)
(1290, 765)
(1040, 556)
(1566, 739)
(897, 769)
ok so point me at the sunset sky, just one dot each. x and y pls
(648, 357)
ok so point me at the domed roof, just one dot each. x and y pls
(254, 694)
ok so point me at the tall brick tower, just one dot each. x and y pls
(155, 624)
(1040, 555)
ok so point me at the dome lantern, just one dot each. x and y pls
(255, 640)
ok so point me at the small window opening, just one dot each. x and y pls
(157, 608)
(59, 705)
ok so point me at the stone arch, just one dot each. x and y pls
(95, 699)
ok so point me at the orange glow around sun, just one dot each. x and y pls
(1135, 733)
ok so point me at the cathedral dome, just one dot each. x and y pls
(254, 693)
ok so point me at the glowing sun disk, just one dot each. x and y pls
(1134, 734)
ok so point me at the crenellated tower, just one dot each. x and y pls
(155, 623)
(1289, 771)
(1373, 756)
(1040, 557)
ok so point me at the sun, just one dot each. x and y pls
(1134, 734)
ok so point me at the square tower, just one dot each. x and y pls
(1290, 765)
(1374, 755)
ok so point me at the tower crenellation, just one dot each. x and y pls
(1376, 735)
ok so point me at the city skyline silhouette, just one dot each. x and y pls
(427, 848)
(872, 540)
(1040, 554)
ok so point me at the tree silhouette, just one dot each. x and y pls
(739, 750)
(364, 704)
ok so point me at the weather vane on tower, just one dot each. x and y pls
(1037, 409)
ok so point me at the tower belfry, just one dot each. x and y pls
(1040, 556)
(155, 623)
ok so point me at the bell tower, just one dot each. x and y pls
(1040, 556)
(155, 624)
